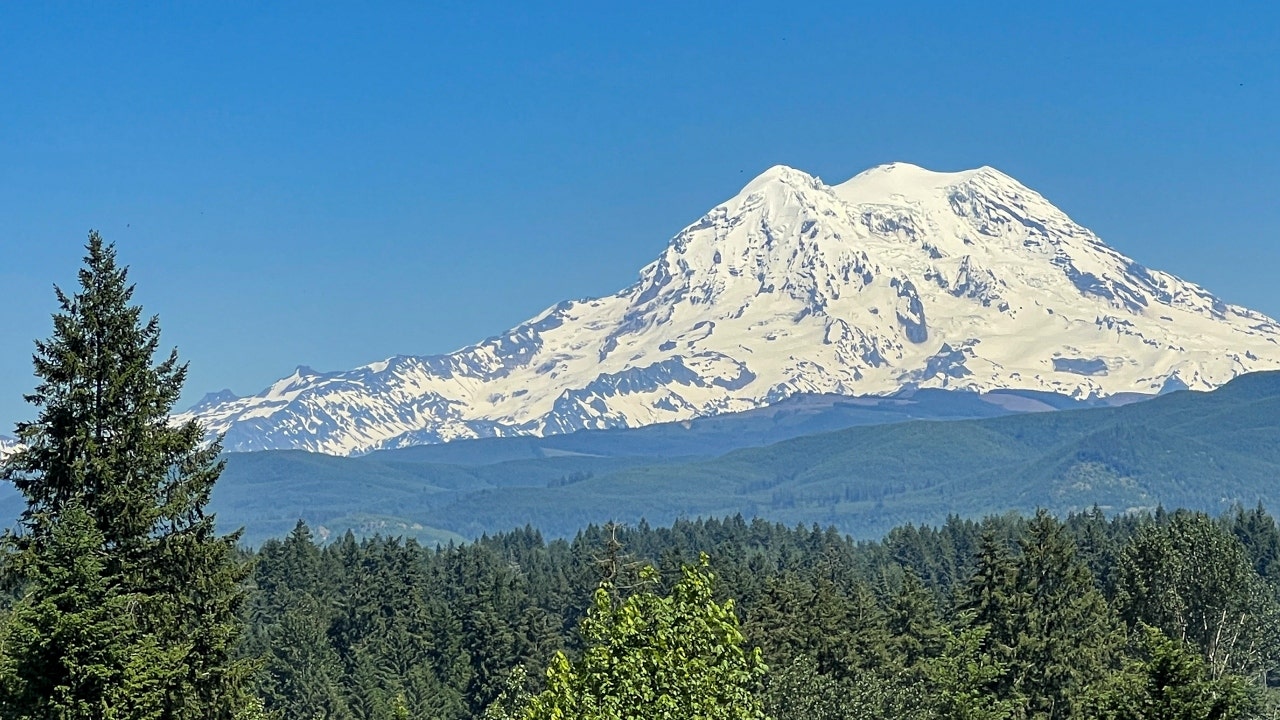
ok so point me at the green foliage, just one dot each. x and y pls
(655, 656)
(1170, 682)
(129, 601)
(514, 698)
(1194, 581)
(960, 677)
(76, 649)
(1042, 620)
(850, 630)
(1067, 637)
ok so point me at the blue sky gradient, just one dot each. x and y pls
(329, 184)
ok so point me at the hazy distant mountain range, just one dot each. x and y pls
(861, 464)
(1186, 449)
(899, 278)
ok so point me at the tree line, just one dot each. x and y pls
(1136, 616)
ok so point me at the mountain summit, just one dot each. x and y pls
(900, 277)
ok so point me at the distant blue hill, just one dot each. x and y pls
(892, 461)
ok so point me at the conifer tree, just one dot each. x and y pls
(1171, 683)
(104, 469)
(915, 626)
(1068, 637)
(990, 604)
(1042, 619)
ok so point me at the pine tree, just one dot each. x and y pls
(1041, 619)
(990, 605)
(63, 669)
(303, 670)
(1067, 637)
(104, 468)
(914, 624)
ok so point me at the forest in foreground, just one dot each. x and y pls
(1168, 615)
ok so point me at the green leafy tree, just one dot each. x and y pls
(1172, 682)
(513, 698)
(1195, 582)
(104, 469)
(651, 656)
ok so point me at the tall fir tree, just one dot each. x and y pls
(1067, 637)
(991, 606)
(103, 468)
(1041, 619)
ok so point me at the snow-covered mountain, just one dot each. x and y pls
(900, 277)
(8, 446)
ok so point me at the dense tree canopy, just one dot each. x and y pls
(1019, 626)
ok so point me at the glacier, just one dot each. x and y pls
(898, 278)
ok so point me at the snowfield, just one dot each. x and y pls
(900, 277)
(8, 446)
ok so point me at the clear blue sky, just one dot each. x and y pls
(329, 184)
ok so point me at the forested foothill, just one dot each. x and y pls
(123, 601)
(1201, 450)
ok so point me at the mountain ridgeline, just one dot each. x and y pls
(898, 278)
(1201, 450)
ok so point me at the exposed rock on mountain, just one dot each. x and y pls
(900, 277)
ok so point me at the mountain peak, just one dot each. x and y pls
(778, 175)
(883, 183)
(900, 277)
(213, 399)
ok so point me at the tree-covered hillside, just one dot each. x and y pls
(1204, 451)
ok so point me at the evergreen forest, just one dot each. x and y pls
(1169, 615)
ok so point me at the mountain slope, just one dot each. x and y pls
(1207, 451)
(898, 278)
(1190, 449)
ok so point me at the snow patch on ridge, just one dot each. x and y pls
(8, 446)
